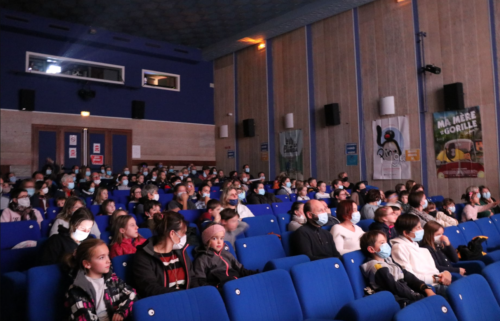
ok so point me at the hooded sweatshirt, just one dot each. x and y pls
(54, 249)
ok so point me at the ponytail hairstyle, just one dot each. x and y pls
(80, 215)
(119, 223)
(168, 221)
(469, 192)
(83, 252)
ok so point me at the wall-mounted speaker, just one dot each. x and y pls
(454, 96)
(86, 94)
(26, 100)
(138, 108)
(248, 127)
(332, 114)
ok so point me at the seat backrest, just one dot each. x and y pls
(52, 212)
(470, 230)
(131, 207)
(123, 267)
(286, 263)
(190, 252)
(102, 222)
(261, 225)
(491, 275)
(46, 226)
(47, 286)
(191, 215)
(121, 193)
(323, 288)
(496, 221)
(280, 208)
(215, 189)
(293, 197)
(283, 220)
(198, 304)
(437, 198)
(488, 228)
(120, 206)
(352, 263)
(311, 195)
(106, 237)
(13, 233)
(165, 198)
(459, 208)
(265, 296)
(255, 252)
(95, 209)
(434, 308)
(286, 242)
(229, 247)
(18, 260)
(260, 209)
(215, 195)
(284, 198)
(145, 232)
(365, 224)
(455, 235)
(472, 299)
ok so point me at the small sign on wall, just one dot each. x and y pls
(72, 152)
(230, 154)
(136, 151)
(97, 148)
(351, 149)
(413, 155)
(72, 140)
(352, 160)
(264, 152)
(97, 159)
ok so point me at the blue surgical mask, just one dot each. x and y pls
(322, 219)
(262, 191)
(452, 209)
(419, 235)
(233, 202)
(103, 171)
(425, 204)
(87, 173)
(379, 202)
(171, 170)
(185, 175)
(205, 195)
(76, 171)
(12, 179)
(247, 170)
(385, 251)
(214, 173)
(341, 187)
(91, 190)
(145, 173)
(263, 178)
(109, 173)
(288, 184)
(48, 171)
(194, 172)
(487, 195)
(31, 191)
(160, 166)
(478, 195)
(71, 185)
(242, 195)
(204, 174)
(125, 182)
(356, 216)
(126, 172)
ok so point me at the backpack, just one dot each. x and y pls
(473, 250)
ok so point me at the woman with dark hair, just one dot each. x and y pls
(285, 187)
(485, 200)
(41, 197)
(346, 235)
(298, 216)
(440, 248)
(161, 264)
(409, 184)
(20, 209)
(67, 239)
(372, 203)
(359, 193)
(418, 202)
(417, 188)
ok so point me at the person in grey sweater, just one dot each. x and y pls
(230, 220)
(372, 203)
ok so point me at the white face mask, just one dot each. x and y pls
(300, 219)
(180, 245)
(24, 202)
(97, 181)
(80, 235)
(437, 239)
(156, 197)
(45, 190)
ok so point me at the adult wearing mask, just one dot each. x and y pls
(181, 199)
(149, 192)
(123, 183)
(285, 186)
(67, 187)
(20, 209)
(372, 203)
(4, 201)
(358, 196)
(418, 202)
(311, 239)
(260, 196)
(246, 170)
(68, 238)
(41, 197)
(485, 200)
(70, 206)
(338, 196)
(347, 234)
(229, 199)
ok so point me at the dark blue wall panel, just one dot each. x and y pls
(119, 152)
(69, 162)
(46, 147)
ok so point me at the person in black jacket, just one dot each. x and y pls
(440, 247)
(258, 195)
(68, 239)
(311, 239)
(161, 264)
(384, 274)
(385, 217)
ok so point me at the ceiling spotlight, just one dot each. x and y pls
(85, 113)
(432, 69)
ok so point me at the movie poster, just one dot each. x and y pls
(290, 157)
(458, 143)
(391, 138)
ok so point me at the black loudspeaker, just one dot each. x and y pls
(332, 114)
(86, 94)
(248, 128)
(26, 99)
(138, 108)
(454, 96)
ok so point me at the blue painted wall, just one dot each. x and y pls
(193, 104)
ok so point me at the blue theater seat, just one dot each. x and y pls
(492, 274)
(365, 224)
(488, 228)
(122, 266)
(260, 209)
(434, 308)
(352, 262)
(284, 198)
(261, 225)
(18, 260)
(281, 208)
(286, 263)
(283, 220)
(13, 233)
(255, 252)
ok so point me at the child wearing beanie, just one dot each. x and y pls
(214, 265)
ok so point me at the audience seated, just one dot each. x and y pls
(346, 235)
(67, 187)
(151, 208)
(229, 199)
(298, 217)
(231, 221)
(41, 197)
(213, 210)
(359, 193)
(449, 208)
(148, 192)
(100, 196)
(4, 201)
(485, 200)
(384, 274)
(20, 209)
(66, 241)
(285, 187)
(161, 264)
(63, 218)
(135, 194)
(372, 203)
(123, 183)
(472, 198)
(203, 197)
(440, 217)
(126, 236)
(258, 195)
(107, 207)
(311, 239)
(181, 199)
(385, 218)
(345, 180)
(302, 194)
(321, 191)
(418, 202)
(403, 201)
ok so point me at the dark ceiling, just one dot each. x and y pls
(194, 23)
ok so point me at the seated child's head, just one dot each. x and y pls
(374, 245)
(114, 216)
(125, 227)
(92, 255)
(151, 208)
(408, 225)
(213, 206)
(449, 204)
(403, 197)
(386, 215)
(229, 219)
(213, 236)
(108, 207)
(60, 201)
(431, 207)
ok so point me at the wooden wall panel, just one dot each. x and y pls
(290, 89)
(223, 105)
(387, 50)
(335, 82)
(252, 103)
(458, 40)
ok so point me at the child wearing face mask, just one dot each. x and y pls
(298, 216)
(383, 274)
(214, 264)
(126, 236)
(440, 217)
(97, 293)
(347, 234)
(472, 198)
